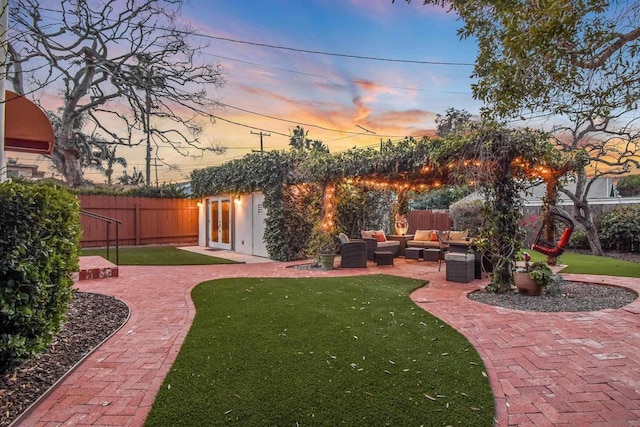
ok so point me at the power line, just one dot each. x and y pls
(303, 124)
(319, 52)
(315, 52)
(215, 116)
(332, 78)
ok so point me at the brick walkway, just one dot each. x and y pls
(544, 368)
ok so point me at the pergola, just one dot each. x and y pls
(497, 159)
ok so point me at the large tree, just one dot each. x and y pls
(125, 70)
(575, 62)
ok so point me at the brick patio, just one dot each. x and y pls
(544, 368)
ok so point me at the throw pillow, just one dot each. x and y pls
(379, 237)
(380, 233)
(434, 236)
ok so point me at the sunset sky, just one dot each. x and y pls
(338, 95)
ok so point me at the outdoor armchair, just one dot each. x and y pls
(353, 253)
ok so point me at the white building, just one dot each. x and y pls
(235, 223)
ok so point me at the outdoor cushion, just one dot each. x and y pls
(366, 234)
(388, 244)
(422, 235)
(457, 235)
(343, 238)
(423, 244)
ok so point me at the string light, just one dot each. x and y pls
(329, 208)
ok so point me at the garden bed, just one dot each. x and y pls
(573, 296)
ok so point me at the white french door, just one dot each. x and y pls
(220, 223)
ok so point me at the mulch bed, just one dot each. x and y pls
(91, 318)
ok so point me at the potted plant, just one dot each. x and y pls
(530, 278)
(323, 246)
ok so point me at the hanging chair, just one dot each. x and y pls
(550, 248)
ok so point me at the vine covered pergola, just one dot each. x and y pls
(500, 162)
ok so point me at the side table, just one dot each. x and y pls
(460, 267)
(402, 238)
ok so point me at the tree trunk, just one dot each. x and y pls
(584, 217)
(582, 212)
(67, 163)
(549, 224)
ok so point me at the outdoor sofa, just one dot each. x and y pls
(428, 239)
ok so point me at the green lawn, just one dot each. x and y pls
(591, 264)
(321, 351)
(156, 255)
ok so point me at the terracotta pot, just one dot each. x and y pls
(526, 285)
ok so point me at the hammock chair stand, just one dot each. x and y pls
(554, 249)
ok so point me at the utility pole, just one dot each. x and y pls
(148, 129)
(261, 135)
(155, 162)
(4, 18)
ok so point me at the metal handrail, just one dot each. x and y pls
(108, 221)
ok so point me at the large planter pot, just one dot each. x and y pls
(326, 261)
(526, 285)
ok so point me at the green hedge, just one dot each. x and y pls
(629, 186)
(38, 252)
(620, 227)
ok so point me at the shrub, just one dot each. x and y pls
(578, 239)
(467, 215)
(439, 198)
(166, 191)
(629, 186)
(38, 252)
(620, 227)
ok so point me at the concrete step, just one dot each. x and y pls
(95, 267)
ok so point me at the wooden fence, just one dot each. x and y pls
(429, 220)
(145, 221)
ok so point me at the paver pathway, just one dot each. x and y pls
(544, 368)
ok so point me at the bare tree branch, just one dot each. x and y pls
(124, 68)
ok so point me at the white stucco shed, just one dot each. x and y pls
(233, 223)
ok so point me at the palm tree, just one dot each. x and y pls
(136, 178)
(318, 145)
(109, 156)
(298, 139)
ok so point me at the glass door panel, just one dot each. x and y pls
(225, 222)
(215, 214)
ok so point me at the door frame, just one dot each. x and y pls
(218, 224)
